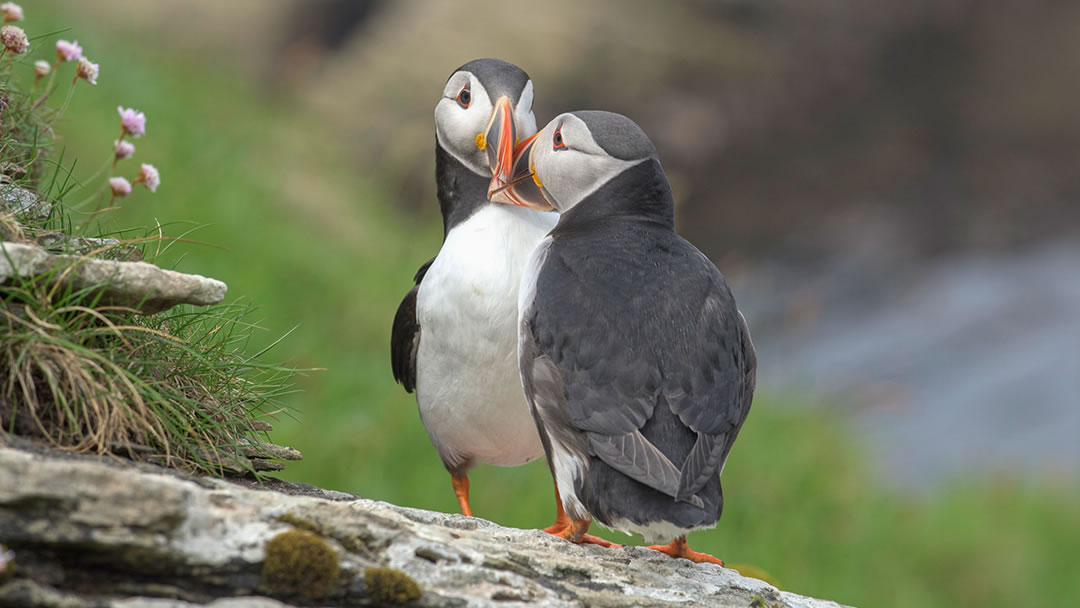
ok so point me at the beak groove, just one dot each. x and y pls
(523, 188)
(499, 138)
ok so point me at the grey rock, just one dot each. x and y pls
(90, 533)
(59, 242)
(23, 203)
(263, 449)
(229, 602)
(29, 593)
(138, 285)
(11, 171)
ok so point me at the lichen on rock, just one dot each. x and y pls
(390, 586)
(299, 562)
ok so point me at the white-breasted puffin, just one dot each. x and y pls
(454, 337)
(637, 364)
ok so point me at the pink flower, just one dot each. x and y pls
(14, 39)
(150, 177)
(11, 11)
(68, 51)
(123, 149)
(119, 186)
(133, 122)
(41, 68)
(87, 70)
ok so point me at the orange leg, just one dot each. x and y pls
(571, 529)
(461, 490)
(562, 521)
(680, 548)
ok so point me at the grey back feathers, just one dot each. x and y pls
(637, 363)
(618, 135)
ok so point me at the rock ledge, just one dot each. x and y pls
(89, 533)
(139, 285)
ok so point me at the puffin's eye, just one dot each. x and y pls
(464, 98)
(556, 140)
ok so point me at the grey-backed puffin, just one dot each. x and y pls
(637, 365)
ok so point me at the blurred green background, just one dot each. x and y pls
(297, 136)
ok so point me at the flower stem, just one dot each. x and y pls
(82, 203)
(52, 74)
(63, 108)
(98, 172)
(48, 90)
(97, 209)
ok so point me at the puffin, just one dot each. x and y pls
(637, 364)
(454, 337)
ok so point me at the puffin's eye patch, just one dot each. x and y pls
(557, 142)
(464, 98)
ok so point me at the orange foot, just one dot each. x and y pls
(571, 530)
(680, 548)
(574, 531)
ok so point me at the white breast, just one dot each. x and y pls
(566, 464)
(531, 275)
(467, 382)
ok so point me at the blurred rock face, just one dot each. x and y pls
(788, 128)
(831, 156)
(847, 142)
(941, 124)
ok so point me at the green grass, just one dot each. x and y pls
(182, 388)
(176, 388)
(318, 244)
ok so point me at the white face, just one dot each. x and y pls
(570, 164)
(465, 111)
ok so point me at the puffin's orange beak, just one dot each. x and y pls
(524, 188)
(498, 141)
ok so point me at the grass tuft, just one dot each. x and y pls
(175, 388)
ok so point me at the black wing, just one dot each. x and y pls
(405, 335)
(633, 331)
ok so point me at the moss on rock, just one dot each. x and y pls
(390, 586)
(299, 563)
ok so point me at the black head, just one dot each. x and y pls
(486, 106)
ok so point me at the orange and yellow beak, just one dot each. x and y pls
(498, 140)
(522, 187)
